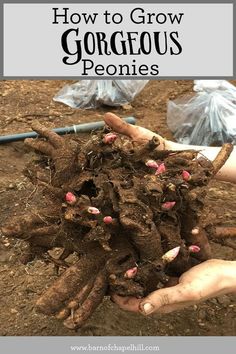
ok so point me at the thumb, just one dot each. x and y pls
(165, 297)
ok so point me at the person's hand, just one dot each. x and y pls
(208, 279)
(139, 134)
(136, 133)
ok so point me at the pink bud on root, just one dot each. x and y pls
(195, 231)
(194, 249)
(152, 164)
(107, 220)
(186, 176)
(70, 198)
(109, 138)
(168, 205)
(171, 255)
(130, 273)
(161, 168)
(93, 210)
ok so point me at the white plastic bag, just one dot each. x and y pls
(208, 117)
(211, 85)
(92, 93)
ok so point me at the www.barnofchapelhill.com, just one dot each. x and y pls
(81, 46)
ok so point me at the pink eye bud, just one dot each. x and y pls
(130, 273)
(70, 198)
(171, 255)
(161, 168)
(194, 249)
(168, 205)
(186, 176)
(93, 210)
(152, 164)
(109, 138)
(107, 220)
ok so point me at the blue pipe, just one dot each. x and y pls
(80, 128)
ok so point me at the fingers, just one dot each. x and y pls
(127, 303)
(175, 307)
(167, 299)
(119, 126)
(126, 287)
(141, 305)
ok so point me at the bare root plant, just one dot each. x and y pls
(131, 213)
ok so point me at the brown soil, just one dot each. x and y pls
(25, 101)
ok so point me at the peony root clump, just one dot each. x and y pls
(130, 212)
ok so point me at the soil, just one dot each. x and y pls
(21, 103)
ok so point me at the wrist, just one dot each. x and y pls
(171, 145)
(229, 276)
(168, 144)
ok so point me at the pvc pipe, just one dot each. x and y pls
(80, 128)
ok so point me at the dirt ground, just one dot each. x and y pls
(21, 102)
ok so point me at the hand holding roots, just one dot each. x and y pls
(130, 212)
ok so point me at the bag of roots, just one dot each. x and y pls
(93, 93)
(208, 117)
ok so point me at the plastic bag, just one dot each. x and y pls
(208, 117)
(211, 85)
(92, 93)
